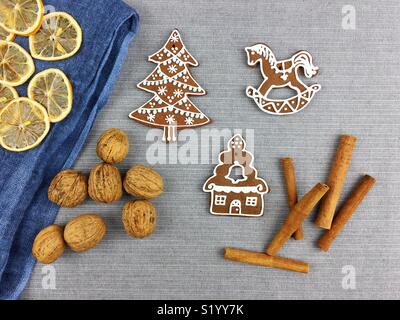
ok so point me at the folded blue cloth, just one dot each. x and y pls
(108, 26)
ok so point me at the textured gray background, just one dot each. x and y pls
(183, 259)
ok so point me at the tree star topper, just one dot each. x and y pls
(236, 195)
(279, 74)
(171, 82)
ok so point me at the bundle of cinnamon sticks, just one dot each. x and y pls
(328, 217)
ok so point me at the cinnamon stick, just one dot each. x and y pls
(346, 212)
(336, 181)
(264, 260)
(291, 188)
(296, 216)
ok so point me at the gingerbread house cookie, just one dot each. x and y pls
(236, 194)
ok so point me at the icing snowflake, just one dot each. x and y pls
(178, 93)
(189, 121)
(172, 69)
(162, 91)
(174, 38)
(151, 117)
(170, 119)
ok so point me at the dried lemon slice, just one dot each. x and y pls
(52, 89)
(24, 124)
(60, 37)
(5, 35)
(22, 17)
(16, 65)
(7, 94)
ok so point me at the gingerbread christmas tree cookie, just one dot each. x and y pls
(279, 74)
(235, 194)
(171, 83)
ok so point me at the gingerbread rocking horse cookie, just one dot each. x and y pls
(279, 74)
(236, 194)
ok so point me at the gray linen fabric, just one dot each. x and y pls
(360, 95)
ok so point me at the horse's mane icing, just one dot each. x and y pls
(265, 51)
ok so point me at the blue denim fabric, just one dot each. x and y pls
(108, 27)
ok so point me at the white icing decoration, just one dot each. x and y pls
(189, 121)
(173, 58)
(170, 119)
(301, 60)
(212, 187)
(228, 189)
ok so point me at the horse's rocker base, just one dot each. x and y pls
(283, 107)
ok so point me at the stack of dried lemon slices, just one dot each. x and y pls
(25, 122)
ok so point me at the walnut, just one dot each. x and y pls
(143, 182)
(105, 184)
(84, 232)
(49, 244)
(139, 218)
(113, 146)
(68, 189)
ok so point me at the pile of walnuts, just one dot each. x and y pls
(70, 188)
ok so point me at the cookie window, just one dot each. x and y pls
(251, 201)
(220, 200)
